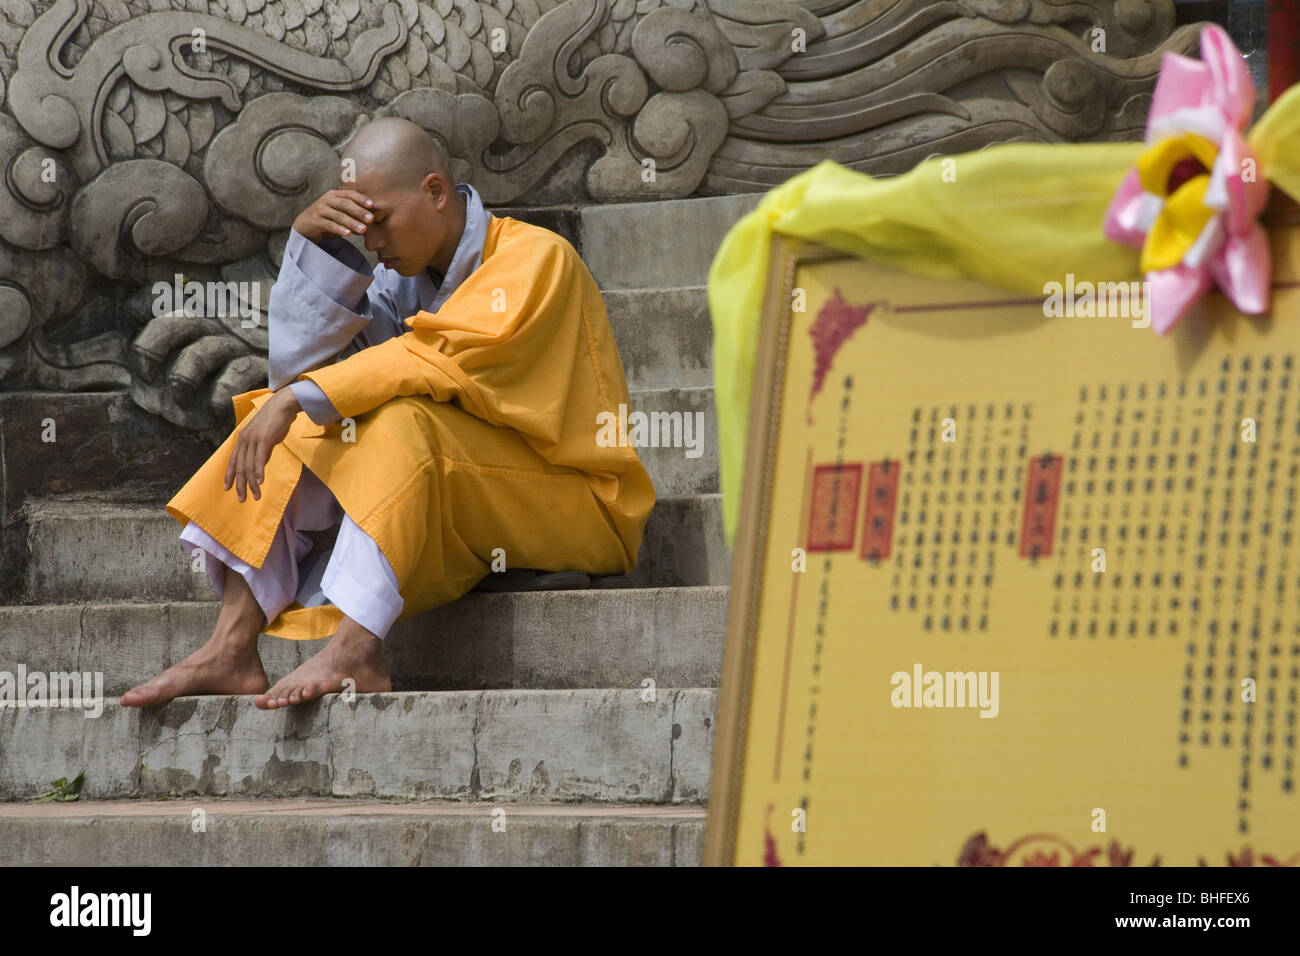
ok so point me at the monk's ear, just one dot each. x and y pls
(433, 185)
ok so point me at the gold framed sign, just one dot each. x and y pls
(1015, 578)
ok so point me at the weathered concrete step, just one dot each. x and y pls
(661, 243)
(682, 460)
(536, 640)
(102, 440)
(685, 544)
(524, 746)
(82, 549)
(346, 833)
(664, 336)
(93, 428)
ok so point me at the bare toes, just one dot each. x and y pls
(142, 696)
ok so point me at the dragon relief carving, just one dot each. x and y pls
(145, 139)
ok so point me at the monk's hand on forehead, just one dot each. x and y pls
(340, 212)
(353, 194)
(352, 208)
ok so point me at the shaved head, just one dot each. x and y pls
(397, 153)
(417, 211)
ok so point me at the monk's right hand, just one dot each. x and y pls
(256, 441)
(340, 212)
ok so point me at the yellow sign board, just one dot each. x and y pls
(1017, 580)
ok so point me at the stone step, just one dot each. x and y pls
(526, 640)
(94, 550)
(685, 544)
(671, 469)
(647, 245)
(346, 832)
(526, 746)
(664, 336)
(102, 440)
(104, 443)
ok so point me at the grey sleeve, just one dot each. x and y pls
(313, 401)
(318, 306)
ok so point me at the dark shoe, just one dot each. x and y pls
(531, 579)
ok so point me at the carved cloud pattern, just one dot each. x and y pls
(131, 153)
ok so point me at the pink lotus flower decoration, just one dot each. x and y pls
(1192, 201)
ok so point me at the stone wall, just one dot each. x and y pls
(148, 140)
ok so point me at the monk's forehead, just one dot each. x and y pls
(365, 176)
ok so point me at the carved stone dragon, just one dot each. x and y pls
(145, 139)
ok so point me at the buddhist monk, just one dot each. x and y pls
(438, 413)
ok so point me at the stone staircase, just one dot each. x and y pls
(558, 728)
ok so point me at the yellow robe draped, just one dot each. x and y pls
(475, 430)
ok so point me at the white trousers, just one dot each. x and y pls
(354, 575)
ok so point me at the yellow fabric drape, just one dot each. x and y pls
(1275, 140)
(1014, 216)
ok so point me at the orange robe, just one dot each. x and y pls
(476, 430)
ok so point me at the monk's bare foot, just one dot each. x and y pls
(215, 668)
(352, 652)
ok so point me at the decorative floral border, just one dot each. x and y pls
(978, 851)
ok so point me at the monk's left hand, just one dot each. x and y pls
(258, 439)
